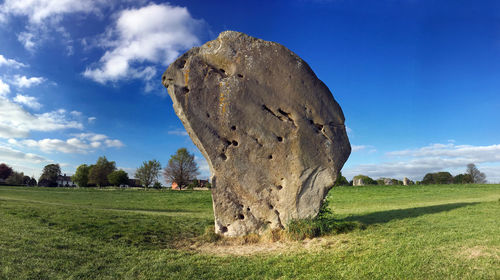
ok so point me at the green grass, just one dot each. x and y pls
(417, 232)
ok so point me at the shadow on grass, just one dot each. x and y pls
(399, 214)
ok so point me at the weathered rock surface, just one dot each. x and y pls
(407, 182)
(388, 182)
(358, 182)
(271, 131)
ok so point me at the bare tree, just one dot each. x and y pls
(477, 176)
(181, 168)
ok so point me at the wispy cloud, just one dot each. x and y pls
(10, 62)
(142, 38)
(415, 163)
(9, 154)
(28, 101)
(25, 82)
(4, 89)
(82, 143)
(18, 123)
(178, 132)
(44, 17)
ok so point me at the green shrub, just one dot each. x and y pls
(437, 178)
(323, 224)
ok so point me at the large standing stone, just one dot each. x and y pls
(272, 134)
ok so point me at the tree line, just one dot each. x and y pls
(181, 168)
(471, 176)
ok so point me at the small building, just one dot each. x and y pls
(64, 181)
(198, 185)
(175, 186)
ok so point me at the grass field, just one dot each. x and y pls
(417, 232)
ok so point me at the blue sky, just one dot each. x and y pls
(418, 80)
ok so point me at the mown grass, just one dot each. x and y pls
(418, 232)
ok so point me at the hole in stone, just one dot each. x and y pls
(223, 229)
(280, 139)
(329, 160)
(270, 157)
(228, 142)
(241, 216)
(222, 70)
(279, 187)
(248, 209)
(233, 127)
(235, 143)
(282, 179)
(163, 78)
(182, 63)
(223, 156)
(271, 206)
(277, 213)
(208, 115)
(240, 76)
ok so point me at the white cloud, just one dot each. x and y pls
(178, 132)
(357, 148)
(15, 122)
(9, 154)
(415, 163)
(25, 82)
(45, 16)
(452, 152)
(203, 167)
(79, 144)
(153, 34)
(28, 101)
(4, 89)
(91, 119)
(27, 39)
(113, 143)
(10, 62)
(75, 113)
(39, 11)
(348, 131)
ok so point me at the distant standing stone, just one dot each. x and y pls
(358, 182)
(407, 182)
(271, 131)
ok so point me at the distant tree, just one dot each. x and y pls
(32, 182)
(99, 172)
(181, 168)
(49, 175)
(341, 181)
(477, 176)
(157, 185)
(148, 172)
(462, 179)
(26, 180)
(5, 171)
(15, 178)
(118, 177)
(396, 182)
(81, 176)
(365, 179)
(437, 178)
